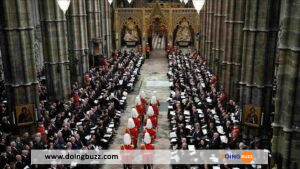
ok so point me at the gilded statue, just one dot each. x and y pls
(183, 32)
(131, 32)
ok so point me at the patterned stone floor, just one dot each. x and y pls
(153, 78)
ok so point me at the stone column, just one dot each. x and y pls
(210, 27)
(104, 28)
(117, 32)
(206, 29)
(170, 29)
(225, 42)
(258, 58)
(286, 133)
(214, 35)
(219, 31)
(17, 37)
(93, 29)
(202, 29)
(55, 48)
(108, 28)
(144, 33)
(38, 45)
(78, 40)
(221, 40)
(233, 47)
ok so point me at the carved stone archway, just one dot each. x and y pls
(168, 16)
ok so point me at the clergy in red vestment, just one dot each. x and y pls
(152, 117)
(127, 151)
(136, 118)
(155, 105)
(139, 107)
(168, 48)
(147, 151)
(132, 130)
(154, 101)
(143, 99)
(147, 50)
(149, 129)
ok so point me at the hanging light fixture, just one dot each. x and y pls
(181, 1)
(185, 1)
(198, 4)
(110, 2)
(64, 5)
(129, 1)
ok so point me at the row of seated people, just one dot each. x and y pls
(138, 121)
(87, 121)
(199, 115)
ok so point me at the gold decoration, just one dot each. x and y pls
(168, 15)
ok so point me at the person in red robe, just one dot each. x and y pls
(213, 79)
(136, 118)
(127, 151)
(152, 117)
(149, 129)
(146, 152)
(154, 101)
(76, 98)
(139, 107)
(86, 79)
(41, 129)
(222, 97)
(155, 105)
(133, 131)
(168, 48)
(143, 99)
(147, 50)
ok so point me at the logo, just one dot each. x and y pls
(246, 156)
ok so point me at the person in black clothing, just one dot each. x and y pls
(215, 142)
(19, 163)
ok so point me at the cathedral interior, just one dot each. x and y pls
(165, 74)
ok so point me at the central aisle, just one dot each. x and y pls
(153, 78)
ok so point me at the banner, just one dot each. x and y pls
(149, 157)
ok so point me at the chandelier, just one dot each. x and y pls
(64, 5)
(110, 1)
(185, 1)
(129, 1)
(198, 4)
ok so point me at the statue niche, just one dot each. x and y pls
(131, 33)
(183, 33)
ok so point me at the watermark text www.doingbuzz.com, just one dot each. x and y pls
(149, 157)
